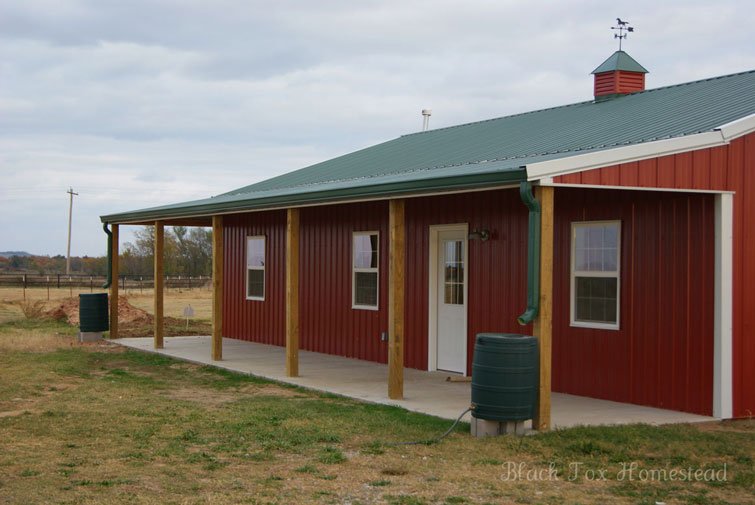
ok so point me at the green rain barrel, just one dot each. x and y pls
(93, 313)
(505, 377)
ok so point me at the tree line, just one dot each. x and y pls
(187, 251)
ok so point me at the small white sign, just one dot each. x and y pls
(188, 311)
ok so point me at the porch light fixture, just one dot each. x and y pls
(482, 235)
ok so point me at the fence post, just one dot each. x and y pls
(70, 287)
(24, 286)
(58, 281)
(48, 288)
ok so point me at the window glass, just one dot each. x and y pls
(255, 268)
(453, 293)
(595, 274)
(365, 276)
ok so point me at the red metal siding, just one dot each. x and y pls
(257, 321)
(724, 168)
(328, 324)
(661, 355)
(497, 268)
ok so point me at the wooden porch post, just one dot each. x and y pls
(159, 243)
(292, 293)
(542, 327)
(114, 282)
(217, 288)
(396, 267)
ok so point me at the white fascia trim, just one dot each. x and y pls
(549, 182)
(738, 127)
(723, 387)
(627, 154)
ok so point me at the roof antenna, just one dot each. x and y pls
(426, 113)
(624, 30)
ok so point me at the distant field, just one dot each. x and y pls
(175, 301)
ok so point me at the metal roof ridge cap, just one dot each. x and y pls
(624, 154)
(738, 127)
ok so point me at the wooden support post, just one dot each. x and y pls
(217, 287)
(159, 245)
(396, 267)
(113, 283)
(542, 327)
(292, 293)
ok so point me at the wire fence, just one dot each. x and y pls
(93, 283)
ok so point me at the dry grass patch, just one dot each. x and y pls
(124, 426)
(215, 397)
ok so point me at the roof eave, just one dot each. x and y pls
(340, 195)
(719, 136)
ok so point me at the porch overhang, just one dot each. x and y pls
(200, 212)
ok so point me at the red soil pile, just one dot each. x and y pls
(127, 313)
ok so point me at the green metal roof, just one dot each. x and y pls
(486, 153)
(620, 61)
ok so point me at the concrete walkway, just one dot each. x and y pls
(425, 392)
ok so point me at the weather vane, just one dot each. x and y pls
(623, 28)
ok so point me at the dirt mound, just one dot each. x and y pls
(68, 310)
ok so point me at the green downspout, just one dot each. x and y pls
(109, 278)
(533, 255)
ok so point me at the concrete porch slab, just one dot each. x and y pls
(425, 392)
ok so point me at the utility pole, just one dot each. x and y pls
(70, 213)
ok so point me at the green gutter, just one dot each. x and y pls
(219, 205)
(533, 255)
(109, 278)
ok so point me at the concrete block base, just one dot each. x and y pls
(484, 428)
(512, 427)
(90, 336)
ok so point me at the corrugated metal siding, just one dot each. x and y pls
(257, 321)
(497, 268)
(328, 324)
(662, 354)
(741, 178)
(724, 168)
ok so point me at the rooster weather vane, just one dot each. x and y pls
(623, 28)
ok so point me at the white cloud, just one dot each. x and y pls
(145, 103)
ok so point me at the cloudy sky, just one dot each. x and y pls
(142, 103)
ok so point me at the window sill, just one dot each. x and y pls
(595, 326)
(365, 307)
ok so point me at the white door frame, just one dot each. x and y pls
(432, 292)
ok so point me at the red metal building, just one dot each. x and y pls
(653, 282)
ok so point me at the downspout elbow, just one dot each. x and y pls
(109, 278)
(533, 254)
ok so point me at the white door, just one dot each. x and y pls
(451, 300)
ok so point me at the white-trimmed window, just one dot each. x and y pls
(365, 275)
(595, 276)
(255, 268)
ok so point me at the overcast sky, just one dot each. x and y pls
(143, 103)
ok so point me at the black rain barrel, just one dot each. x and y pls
(505, 377)
(93, 313)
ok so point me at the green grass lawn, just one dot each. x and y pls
(101, 424)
